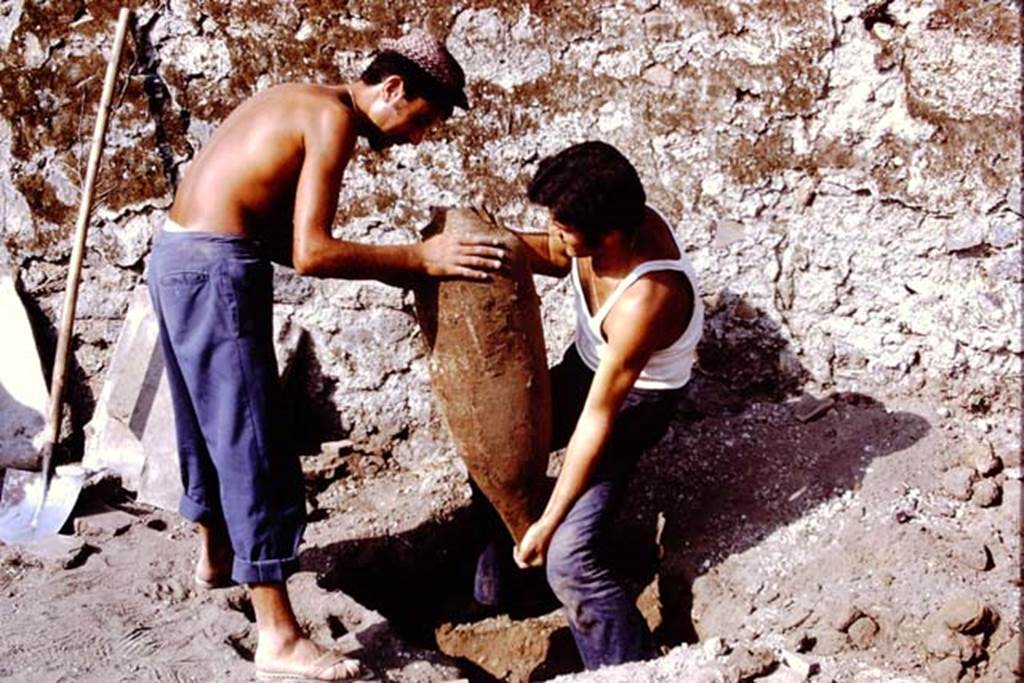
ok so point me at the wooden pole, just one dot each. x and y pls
(60, 361)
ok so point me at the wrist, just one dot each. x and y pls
(547, 523)
(417, 260)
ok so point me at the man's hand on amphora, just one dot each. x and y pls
(469, 257)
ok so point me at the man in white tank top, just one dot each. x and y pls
(638, 323)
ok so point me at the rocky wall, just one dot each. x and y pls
(846, 175)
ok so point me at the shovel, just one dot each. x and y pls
(33, 506)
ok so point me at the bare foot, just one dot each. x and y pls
(213, 570)
(303, 660)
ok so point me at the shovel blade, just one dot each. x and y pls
(23, 497)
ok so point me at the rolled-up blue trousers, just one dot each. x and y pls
(213, 297)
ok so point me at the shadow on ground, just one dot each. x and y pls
(737, 463)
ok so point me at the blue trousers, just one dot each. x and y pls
(604, 621)
(213, 296)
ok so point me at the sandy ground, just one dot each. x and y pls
(874, 542)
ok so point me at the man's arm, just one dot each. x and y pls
(328, 144)
(634, 333)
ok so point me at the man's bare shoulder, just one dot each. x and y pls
(652, 296)
(652, 312)
(302, 101)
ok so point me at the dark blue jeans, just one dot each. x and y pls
(213, 296)
(605, 622)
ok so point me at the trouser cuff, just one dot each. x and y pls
(264, 571)
(195, 512)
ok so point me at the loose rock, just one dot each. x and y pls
(750, 663)
(61, 551)
(801, 666)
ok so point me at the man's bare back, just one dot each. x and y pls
(245, 179)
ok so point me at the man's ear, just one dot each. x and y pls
(393, 88)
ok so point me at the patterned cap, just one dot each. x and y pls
(431, 55)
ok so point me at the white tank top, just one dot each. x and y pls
(668, 368)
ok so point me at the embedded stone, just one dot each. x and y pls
(862, 632)
(845, 616)
(711, 674)
(752, 662)
(963, 614)
(957, 482)
(987, 493)
(1010, 657)
(783, 674)
(941, 642)
(985, 462)
(715, 647)
(829, 642)
(945, 670)
(810, 407)
(801, 641)
(106, 522)
(969, 648)
(794, 618)
(973, 555)
(659, 75)
(728, 232)
(61, 551)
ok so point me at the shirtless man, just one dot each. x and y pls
(638, 321)
(267, 184)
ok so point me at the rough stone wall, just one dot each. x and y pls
(844, 173)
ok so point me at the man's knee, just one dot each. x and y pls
(566, 566)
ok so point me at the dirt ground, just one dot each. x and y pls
(876, 541)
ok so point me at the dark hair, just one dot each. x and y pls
(417, 82)
(591, 187)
